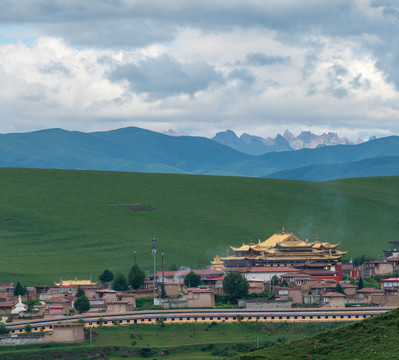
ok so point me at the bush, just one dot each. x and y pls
(100, 321)
(146, 352)
(28, 328)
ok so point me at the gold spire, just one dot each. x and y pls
(283, 230)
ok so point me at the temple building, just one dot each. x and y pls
(281, 249)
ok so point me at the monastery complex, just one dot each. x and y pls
(281, 249)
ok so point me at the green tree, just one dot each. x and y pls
(19, 289)
(360, 284)
(28, 328)
(120, 282)
(274, 281)
(82, 304)
(79, 293)
(192, 279)
(106, 277)
(339, 289)
(136, 277)
(235, 285)
(162, 294)
(3, 329)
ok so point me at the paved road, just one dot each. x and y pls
(207, 315)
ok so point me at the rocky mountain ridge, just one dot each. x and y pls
(256, 145)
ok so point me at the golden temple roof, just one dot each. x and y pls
(75, 282)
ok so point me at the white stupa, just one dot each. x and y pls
(20, 307)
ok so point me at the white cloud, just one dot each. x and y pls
(246, 65)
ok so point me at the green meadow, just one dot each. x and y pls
(171, 341)
(65, 224)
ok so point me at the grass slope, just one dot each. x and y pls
(61, 224)
(380, 166)
(374, 338)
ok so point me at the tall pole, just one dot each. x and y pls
(134, 257)
(154, 252)
(163, 273)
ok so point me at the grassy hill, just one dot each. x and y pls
(374, 338)
(379, 166)
(61, 224)
(139, 150)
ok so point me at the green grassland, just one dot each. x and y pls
(61, 224)
(177, 341)
(371, 339)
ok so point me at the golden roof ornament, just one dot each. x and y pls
(283, 230)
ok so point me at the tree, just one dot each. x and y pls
(192, 279)
(274, 281)
(339, 289)
(106, 277)
(162, 294)
(136, 277)
(3, 329)
(79, 293)
(360, 284)
(82, 304)
(173, 267)
(19, 289)
(235, 285)
(120, 283)
(28, 328)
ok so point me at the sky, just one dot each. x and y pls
(200, 67)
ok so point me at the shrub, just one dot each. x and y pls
(28, 327)
(146, 352)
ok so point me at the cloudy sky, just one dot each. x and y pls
(201, 66)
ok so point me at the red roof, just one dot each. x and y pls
(263, 269)
(393, 259)
(106, 291)
(319, 272)
(214, 278)
(369, 290)
(58, 300)
(333, 294)
(7, 304)
(297, 275)
(199, 290)
(390, 279)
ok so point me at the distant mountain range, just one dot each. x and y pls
(140, 150)
(256, 145)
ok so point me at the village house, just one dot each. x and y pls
(390, 284)
(199, 297)
(6, 307)
(378, 267)
(214, 283)
(290, 292)
(97, 305)
(119, 307)
(366, 294)
(333, 300)
(108, 295)
(129, 297)
(266, 273)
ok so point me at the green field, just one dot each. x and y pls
(375, 338)
(61, 224)
(177, 341)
